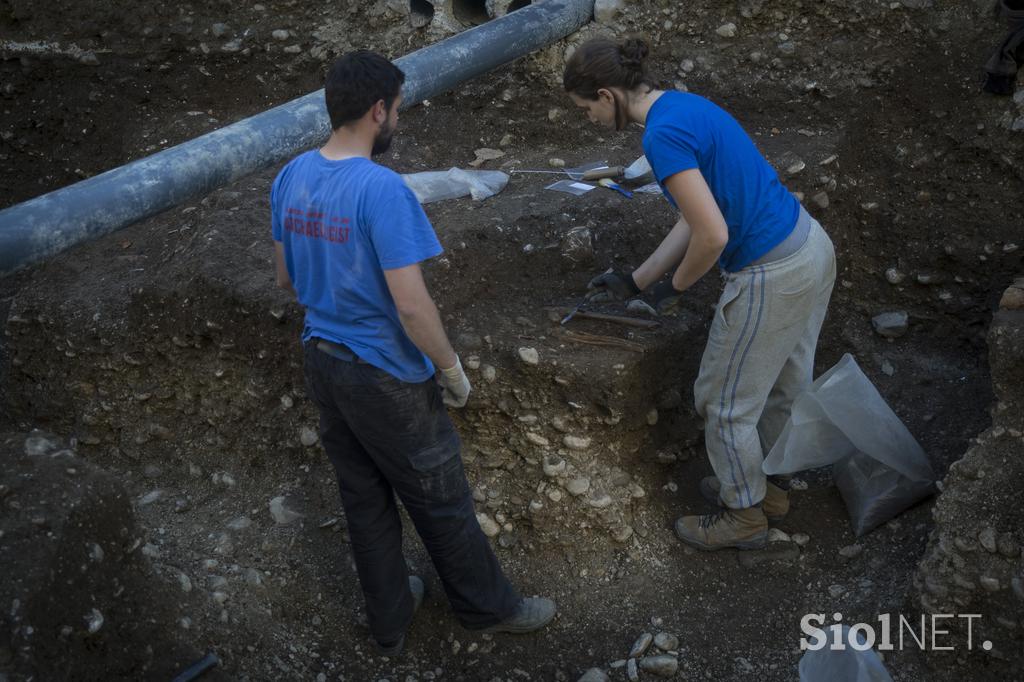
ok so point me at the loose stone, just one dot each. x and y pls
(576, 442)
(554, 466)
(641, 645)
(666, 641)
(663, 666)
(281, 513)
(727, 30)
(308, 436)
(488, 525)
(851, 551)
(540, 441)
(578, 486)
(891, 325)
(529, 355)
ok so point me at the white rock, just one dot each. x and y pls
(488, 373)
(605, 11)
(776, 535)
(801, 538)
(37, 444)
(529, 355)
(486, 154)
(94, 621)
(851, 551)
(576, 442)
(150, 497)
(488, 525)
(894, 276)
(594, 675)
(727, 30)
(554, 466)
(240, 524)
(538, 440)
(578, 486)
(279, 35)
(282, 514)
(308, 436)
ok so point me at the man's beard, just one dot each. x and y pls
(382, 142)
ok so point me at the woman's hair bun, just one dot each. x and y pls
(634, 51)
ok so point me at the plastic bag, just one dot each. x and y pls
(433, 186)
(846, 665)
(571, 187)
(639, 171)
(841, 419)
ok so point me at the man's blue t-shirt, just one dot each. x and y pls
(342, 224)
(685, 131)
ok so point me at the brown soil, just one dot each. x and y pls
(168, 357)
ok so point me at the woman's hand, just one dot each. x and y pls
(613, 285)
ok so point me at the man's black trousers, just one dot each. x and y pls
(385, 436)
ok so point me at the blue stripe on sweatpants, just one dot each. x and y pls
(725, 385)
(736, 383)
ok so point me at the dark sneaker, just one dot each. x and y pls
(533, 613)
(775, 503)
(739, 528)
(419, 591)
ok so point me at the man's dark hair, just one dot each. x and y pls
(357, 81)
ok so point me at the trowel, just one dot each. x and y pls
(579, 306)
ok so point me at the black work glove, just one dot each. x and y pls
(666, 297)
(614, 285)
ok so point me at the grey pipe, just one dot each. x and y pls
(53, 222)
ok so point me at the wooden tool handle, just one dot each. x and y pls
(598, 173)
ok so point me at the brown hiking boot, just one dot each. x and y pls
(775, 503)
(739, 528)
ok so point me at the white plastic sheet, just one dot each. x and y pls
(639, 171)
(880, 469)
(453, 183)
(845, 665)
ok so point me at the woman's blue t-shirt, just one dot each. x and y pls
(685, 131)
(342, 224)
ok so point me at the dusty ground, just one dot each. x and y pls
(164, 356)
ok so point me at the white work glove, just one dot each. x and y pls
(455, 386)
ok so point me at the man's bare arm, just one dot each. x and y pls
(419, 315)
(281, 270)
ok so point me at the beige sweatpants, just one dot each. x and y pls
(759, 357)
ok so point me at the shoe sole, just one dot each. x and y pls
(712, 496)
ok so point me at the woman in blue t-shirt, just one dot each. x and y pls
(778, 264)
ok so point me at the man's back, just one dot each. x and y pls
(342, 223)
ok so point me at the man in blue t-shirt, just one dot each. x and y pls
(349, 237)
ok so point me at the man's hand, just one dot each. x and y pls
(666, 297)
(455, 386)
(614, 285)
